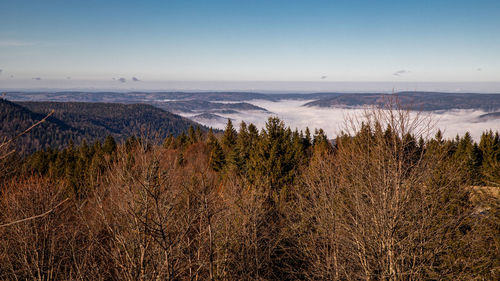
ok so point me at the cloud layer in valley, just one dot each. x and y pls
(331, 120)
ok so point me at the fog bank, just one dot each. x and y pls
(331, 120)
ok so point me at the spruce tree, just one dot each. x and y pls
(489, 145)
(169, 141)
(217, 160)
(229, 137)
(109, 145)
(191, 135)
(272, 164)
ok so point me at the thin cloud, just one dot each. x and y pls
(69, 78)
(1, 70)
(324, 77)
(401, 72)
(14, 43)
(479, 69)
(36, 78)
(122, 80)
(135, 79)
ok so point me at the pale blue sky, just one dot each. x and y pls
(322, 41)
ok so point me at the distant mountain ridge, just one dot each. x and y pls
(489, 116)
(210, 102)
(427, 101)
(151, 97)
(194, 106)
(76, 121)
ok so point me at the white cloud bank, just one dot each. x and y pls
(331, 120)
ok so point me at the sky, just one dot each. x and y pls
(231, 45)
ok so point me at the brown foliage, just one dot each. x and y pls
(381, 207)
(377, 206)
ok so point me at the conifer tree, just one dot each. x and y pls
(307, 139)
(298, 148)
(169, 141)
(198, 133)
(191, 135)
(272, 164)
(216, 160)
(211, 139)
(238, 157)
(109, 145)
(181, 141)
(253, 136)
(229, 137)
(467, 153)
(489, 145)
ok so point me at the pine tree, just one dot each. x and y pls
(199, 133)
(298, 148)
(272, 164)
(216, 160)
(109, 145)
(489, 145)
(238, 157)
(181, 141)
(466, 153)
(169, 141)
(211, 139)
(307, 139)
(191, 135)
(229, 137)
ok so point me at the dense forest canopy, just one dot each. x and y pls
(380, 202)
(78, 121)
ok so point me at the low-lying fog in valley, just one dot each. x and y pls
(295, 115)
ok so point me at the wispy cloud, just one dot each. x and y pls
(1, 70)
(122, 80)
(135, 79)
(14, 43)
(36, 78)
(324, 77)
(401, 72)
(479, 69)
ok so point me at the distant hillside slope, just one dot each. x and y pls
(77, 121)
(14, 119)
(416, 100)
(205, 106)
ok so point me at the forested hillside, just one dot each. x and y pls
(76, 121)
(15, 118)
(385, 202)
(415, 100)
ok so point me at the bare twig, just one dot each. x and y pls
(27, 130)
(34, 217)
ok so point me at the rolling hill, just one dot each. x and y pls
(76, 121)
(416, 100)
